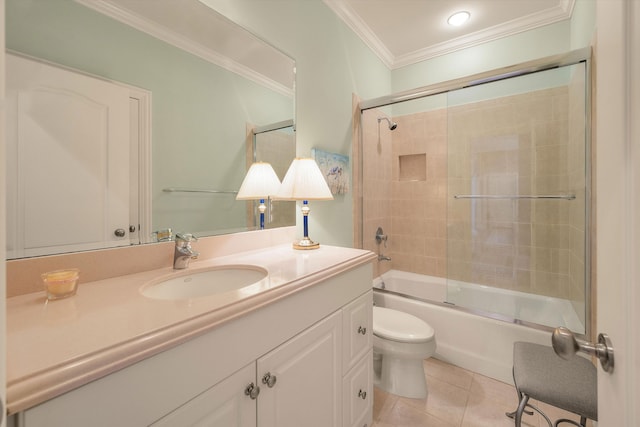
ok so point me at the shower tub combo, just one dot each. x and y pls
(483, 184)
(478, 340)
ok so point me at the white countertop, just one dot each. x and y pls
(56, 346)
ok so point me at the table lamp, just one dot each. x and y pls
(304, 181)
(259, 183)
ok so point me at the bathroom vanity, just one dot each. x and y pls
(294, 349)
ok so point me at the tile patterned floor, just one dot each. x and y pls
(457, 398)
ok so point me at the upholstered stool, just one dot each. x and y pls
(541, 374)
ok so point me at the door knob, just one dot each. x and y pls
(566, 345)
(119, 232)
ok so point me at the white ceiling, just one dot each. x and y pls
(402, 32)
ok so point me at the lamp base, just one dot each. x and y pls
(305, 243)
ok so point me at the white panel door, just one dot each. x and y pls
(3, 281)
(68, 160)
(618, 207)
(308, 379)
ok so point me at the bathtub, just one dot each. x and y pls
(475, 342)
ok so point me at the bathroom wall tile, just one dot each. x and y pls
(550, 160)
(560, 261)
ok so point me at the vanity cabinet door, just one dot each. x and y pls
(301, 380)
(225, 404)
(357, 324)
(357, 394)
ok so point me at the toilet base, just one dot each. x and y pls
(399, 376)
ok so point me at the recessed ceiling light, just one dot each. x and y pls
(458, 18)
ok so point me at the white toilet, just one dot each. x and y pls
(401, 342)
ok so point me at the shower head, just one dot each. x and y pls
(392, 125)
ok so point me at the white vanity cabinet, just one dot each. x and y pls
(357, 362)
(224, 404)
(296, 384)
(309, 353)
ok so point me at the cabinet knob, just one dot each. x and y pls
(269, 379)
(362, 394)
(252, 391)
(362, 330)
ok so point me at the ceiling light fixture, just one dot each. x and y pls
(458, 18)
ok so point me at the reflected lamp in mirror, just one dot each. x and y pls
(305, 182)
(260, 183)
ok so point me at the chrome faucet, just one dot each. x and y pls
(183, 252)
(381, 238)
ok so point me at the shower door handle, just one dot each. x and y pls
(566, 345)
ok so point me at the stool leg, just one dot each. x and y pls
(520, 410)
(524, 403)
(520, 397)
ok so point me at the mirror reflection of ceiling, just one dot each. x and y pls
(194, 26)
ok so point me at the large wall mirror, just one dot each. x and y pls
(181, 84)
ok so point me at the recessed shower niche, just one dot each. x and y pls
(412, 167)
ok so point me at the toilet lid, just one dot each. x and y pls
(400, 326)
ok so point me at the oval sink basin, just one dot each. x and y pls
(203, 283)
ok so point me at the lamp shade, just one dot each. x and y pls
(304, 181)
(260, 182)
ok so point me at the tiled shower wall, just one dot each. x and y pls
(376, 188)
(523, 144)
(419, 193)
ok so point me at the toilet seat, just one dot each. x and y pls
(398, 326)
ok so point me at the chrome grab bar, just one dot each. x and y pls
(514, 196)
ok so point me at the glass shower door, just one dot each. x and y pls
(517, 203)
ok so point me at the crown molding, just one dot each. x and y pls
(529, 22)
(349, 16)
(162, 33)
(535, 20)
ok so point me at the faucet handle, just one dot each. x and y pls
(381, 237)
(186, 237)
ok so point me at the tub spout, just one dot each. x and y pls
(383, 258)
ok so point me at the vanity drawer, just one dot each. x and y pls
(357, 393)
(357, 330)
